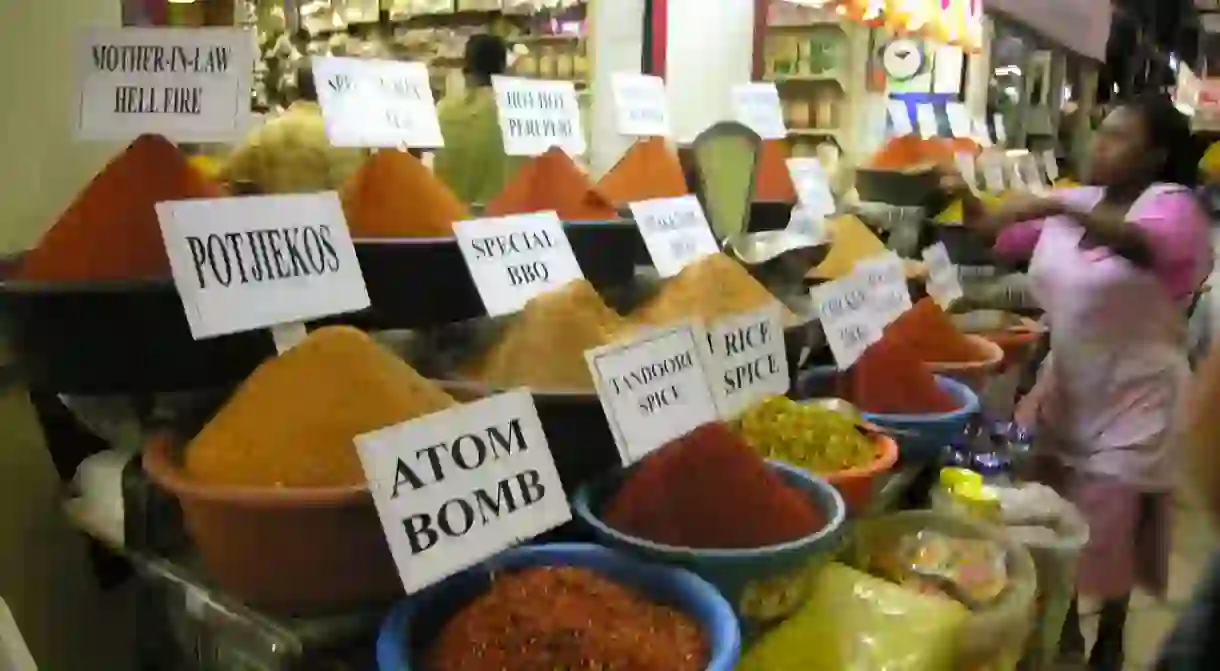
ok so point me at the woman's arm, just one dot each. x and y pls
(1015, 209)
(1109, 226)
(1203, 443)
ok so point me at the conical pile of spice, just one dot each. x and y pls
(552, 181)
(850, 241)
(710, 289)
(710, 490)
(544, 346)
(291, 423)
(648, 170)
(545, 619)
(772, 181)
(110, 231)
(929, 331)
(912, 151)
(394, 195)
(890, 379)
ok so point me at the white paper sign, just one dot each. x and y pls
(900, 118)
(1013, 173)
(847, 317)
(959, 120)
(993, 172)
(1001, 133)
(373, 103)
(675, 231)
(1051, 165)
(247, 263)
(461, 485)
(812, 188)
(641, 105)
(756, 104)
(188, 84)
(537, 114)
(965, 167)
(653, 388)
(748, 360)
(885, 275)
(944, 283)
(925, 115)
(512, 259)
(982, 133)
(1032, 173)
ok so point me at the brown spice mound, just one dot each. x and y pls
(545, 619)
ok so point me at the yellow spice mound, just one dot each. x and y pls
(544, 346)
(291, 423)
(708, 290)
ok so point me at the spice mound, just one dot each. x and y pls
(933, 335)
(544, 345)
(546, 619)
(648, 170)
(110, 231)
(710, 289)
(394, 195)
(552, 181)
(772, 182)
(291, 423)
(810, 437)
(912, 151)
(851, 241)
(890, 379)
(710, 490)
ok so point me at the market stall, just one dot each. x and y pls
(589, 421)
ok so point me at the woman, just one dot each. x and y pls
(1114, 265)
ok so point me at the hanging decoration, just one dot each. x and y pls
(955, 22)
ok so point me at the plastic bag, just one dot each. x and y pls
(857, 622)
(972, 571)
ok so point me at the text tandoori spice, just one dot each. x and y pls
(710, 490)
(890, 379)
(547, 619)
(552, 181)
(772, 181)
(933, 336)
(110, 231)
(291, 423)
(648, 170)
(394, 195)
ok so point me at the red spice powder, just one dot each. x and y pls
(552, 182)
(648, 170)
(710, 490)
(930, 332)
(545, 619)
(110, 231)
(889, 379)
(772, 182)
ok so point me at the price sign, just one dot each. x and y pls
(537, 114)
(372, 103)
(925, 116)
(654, 388)
(675, 232)
(1012, 170)
(848, 319)
(885, 275)
(993, 172)
(461, 485)
(748, 361)
(1001, 133)
(247, 263)
(757, 106)
(982, 133)
(965, 166)
(959, 120)
(512, 259)
(899, 117)
(1027, 164)
(944, 283)
(1051, 165)
(188, 84)
(641, 105)
(812, 189)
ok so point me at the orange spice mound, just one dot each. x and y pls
(772, 183)
(394, 195)
(930, 332)
(552, 182)
(110, 231)
(708, 290)
(889, 378)
(910, 151)
(648, 170)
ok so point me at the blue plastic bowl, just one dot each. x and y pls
(763, 584)
(415, 622)
(929, 434)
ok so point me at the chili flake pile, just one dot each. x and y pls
(565, 619)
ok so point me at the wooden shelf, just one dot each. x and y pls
(824, 77)
(814, 132)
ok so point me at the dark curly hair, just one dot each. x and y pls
(486, 55)
(1168, 129)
